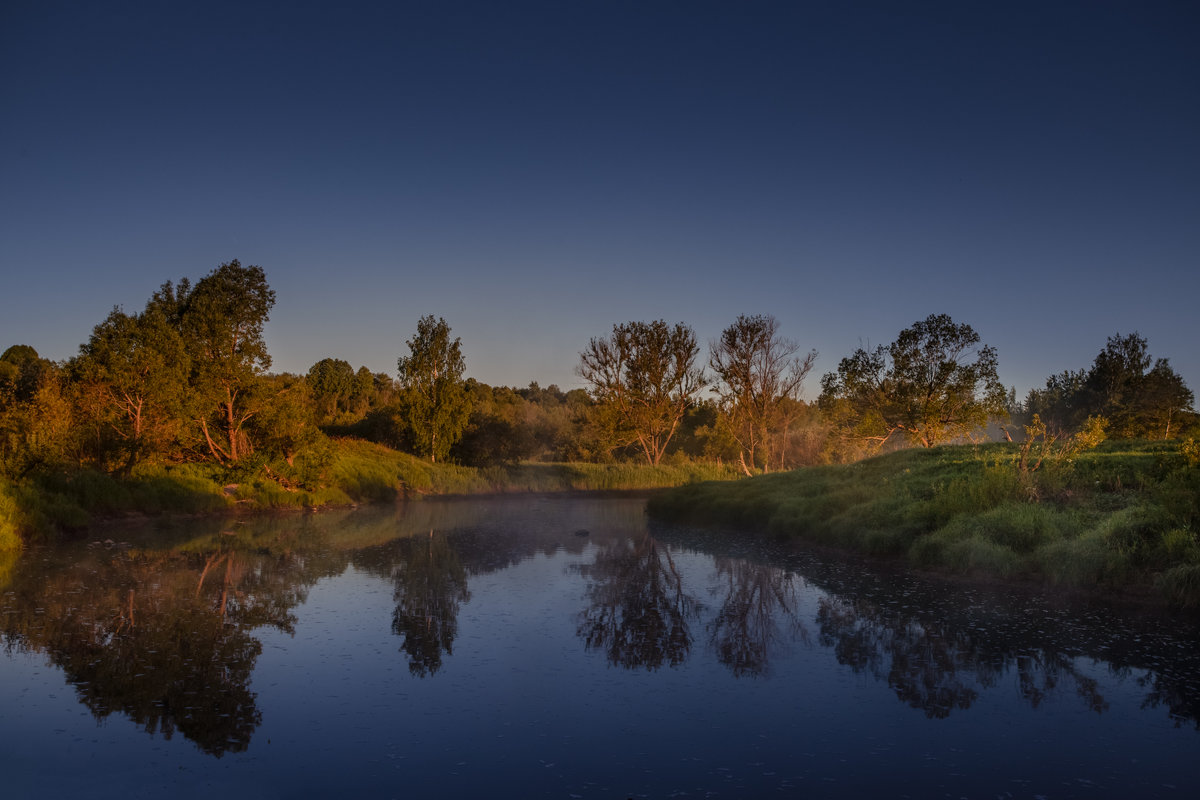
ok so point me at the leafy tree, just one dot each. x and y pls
(1165, 400)
(1063, 404)
(132, 375)
(37, 429)
(1136, 395)
(758, 373)
(365, 390)
(435, 403)
(1113, 383)
(332, 382)
(1138, 401)
(222, 320)
(284, 422)
(499, 429)
(21, 372)
(933, 384)
(644, 378)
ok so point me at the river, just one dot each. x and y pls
(564, 647)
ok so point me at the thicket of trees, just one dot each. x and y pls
(187, 379)
(1138, 397)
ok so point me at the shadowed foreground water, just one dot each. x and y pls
(563, 647)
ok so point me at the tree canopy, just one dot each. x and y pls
(222, 319)
(759, 378)
(134, 369)
(644, 378)
(435, 400)
(933, 384)
(333, 382)
(1137, 396)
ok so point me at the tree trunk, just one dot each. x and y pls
(231, 428)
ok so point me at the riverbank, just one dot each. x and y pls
(1121, 517)
(350, 472)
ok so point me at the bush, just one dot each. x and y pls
(1181, 585)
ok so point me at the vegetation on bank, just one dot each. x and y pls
(174, 409)
(349, 471)
(1123, 516)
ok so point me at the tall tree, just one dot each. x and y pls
(1138, 401)
(133, 373)
(933, 384)
(332, 382)
(1165, 400)
(1063, 404)
(757, 372)
(644, 378)
(37, 429)
(435, 401)
(222, 320)
(1135, 399)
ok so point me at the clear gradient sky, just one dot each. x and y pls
(535, 172)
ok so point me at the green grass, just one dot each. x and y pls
(1123, 516)
(343, 472)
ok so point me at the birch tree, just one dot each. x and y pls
(435, 402)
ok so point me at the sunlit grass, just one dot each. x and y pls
(344, 472)
(1125, 514)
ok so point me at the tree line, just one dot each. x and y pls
(188, 378)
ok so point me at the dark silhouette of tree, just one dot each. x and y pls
(165, 639)
(757, 615)
(639, 612)
(430, 585)
(1136, 395)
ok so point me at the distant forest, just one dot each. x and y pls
(188, 379)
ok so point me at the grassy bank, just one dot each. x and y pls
(349, 471)
(1123, 516)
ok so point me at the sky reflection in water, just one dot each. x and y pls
(488, 647)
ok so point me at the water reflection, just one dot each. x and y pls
(168, 637)
(759, 614)
(430, 585)
(161, 638)
(639, 614)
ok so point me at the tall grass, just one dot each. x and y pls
(346, 472)
(1124, 515)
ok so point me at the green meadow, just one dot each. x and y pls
(347, 472)
(1122, 517)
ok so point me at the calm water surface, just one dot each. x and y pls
(563, 647)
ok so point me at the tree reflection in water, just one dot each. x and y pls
(430, 584)
(163, 638)
(168, 638)
(639, 613)
(940, 667)
(758, 614)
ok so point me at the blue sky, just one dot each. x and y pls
(536, 172)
